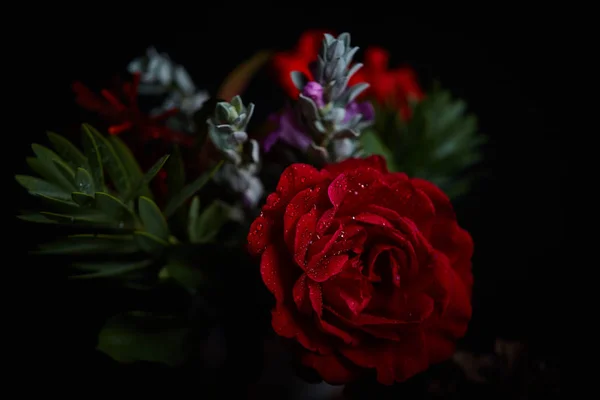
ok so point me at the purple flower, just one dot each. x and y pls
(288, 131)
(365, 108)
(314, 91)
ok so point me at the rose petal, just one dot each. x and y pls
(287, 325)
(375, 162)
(441, 202)
(276, 272)
(260, 235)
(394, 361)
(327, 267)
(348, 292)
(305, 232)
(409, 202)
(330, 367)
(302, 203)
(296, 178)
(300, 294)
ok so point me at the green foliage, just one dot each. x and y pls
(120, 233)
(439, 143)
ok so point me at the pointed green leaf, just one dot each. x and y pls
(84, 181)
(114, 209)
(61, 206)
(152, 218)
(91, 218)
(37, 218)
(110, 268)
(210, 222)
(372, 144)
(68, 151)
(175, 172)
(132, 167)
(37, 186)
(140, 186)
(110, 161)
(94, 158)
(49, 160)
(188, 276)
(83, 199)
(150, 243)
(128, 339)
(91, 244)
(193, 218)
(190, 190)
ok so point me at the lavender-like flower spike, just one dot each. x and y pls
(326, 107)
(227, 131)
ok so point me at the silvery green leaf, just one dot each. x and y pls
(355, 91)
(249, 112)
(336, 115)
(354, 69)
(362, 125)
(236, 102)
(328, 39)
(343, 148)
(308, 107)
(136, 65)
(298, 79)
(191, 104)
(225, 129)
(320, 69)
(350, 55)
(238, 121)
(345, 37)
(346, 134)
(318, 152)
(232, 156)
(240, 136)
(183, 81)
(354, 121)
(336, 50)
(254, 192)
(164, 72)
(254, 151)
(319, 127)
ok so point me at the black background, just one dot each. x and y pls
(504, 69)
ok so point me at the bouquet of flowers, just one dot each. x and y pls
(333, 214)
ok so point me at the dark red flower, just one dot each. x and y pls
(120, 110)
(390, 86)
(369, 269)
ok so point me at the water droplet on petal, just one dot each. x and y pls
(259, 226)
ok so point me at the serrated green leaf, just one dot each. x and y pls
(49, 160)
(83, 199)
(92, 153)
(131, 165)
(372, 144)
(210, 222)
(190, 190)
(68, 151)
(110, 161)
(109, 269)
(84, 181)
(140, 186)
(38, 186)
(114, 209)
(193, 214)
(152, 218)
(91, 244)
(150, 243)
(128, 339)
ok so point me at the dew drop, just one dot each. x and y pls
(303, 179)
(259, 226)
(355, 192)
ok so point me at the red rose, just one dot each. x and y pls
(397, 86)
(369, 269)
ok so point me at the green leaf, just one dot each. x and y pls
(235, 83)
(37, 218)
(153, 219)
(114, 209)
(188, 276)
(142, 185)
(131, 165)
(130, 338)
(372, 144)
(109, 269)
(91, 244)
(68, 151)
(91, 218)
(209, 223)
(55, 169)
(110, 161)
(83, 199)
(193, 214)
(190, 190)
(62, 206)
(38, 186)
(84, 181)
(150, 243)
(94, 158)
